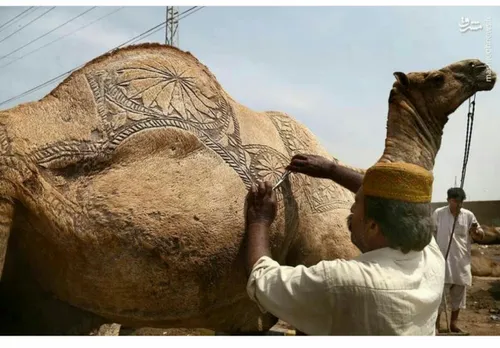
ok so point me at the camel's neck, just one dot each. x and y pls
(413, 136)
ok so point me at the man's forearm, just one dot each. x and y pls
(257, 244)
(346, 177)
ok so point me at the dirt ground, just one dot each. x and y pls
(483, 304)
(482, 315)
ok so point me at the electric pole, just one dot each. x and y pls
(172, 26)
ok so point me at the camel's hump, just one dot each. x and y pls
(146, 62)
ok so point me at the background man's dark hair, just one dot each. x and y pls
(456, 193)
(406, 226)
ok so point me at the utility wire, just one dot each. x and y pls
(13, 20)
(46, 83)
(62, 37)
(24, 26)
(161, 26)
(47, 33)
(141, 36)
(154, 29)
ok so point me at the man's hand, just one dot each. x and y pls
(261, 204)
(476, 234)
(260, 214)
(312, 165)
(320, 167)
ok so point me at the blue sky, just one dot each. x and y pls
(329, 67)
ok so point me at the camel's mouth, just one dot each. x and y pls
(485, 78)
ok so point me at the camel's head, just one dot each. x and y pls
(419, 105)
(441, 92)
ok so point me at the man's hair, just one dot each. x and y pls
(406, 226)
(457, 193)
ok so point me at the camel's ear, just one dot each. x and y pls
(402, 78)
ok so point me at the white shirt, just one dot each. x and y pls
(382, 292)
(458, 264)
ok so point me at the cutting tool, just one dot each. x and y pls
(282, 179)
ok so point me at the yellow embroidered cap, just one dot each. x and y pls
(399, 180)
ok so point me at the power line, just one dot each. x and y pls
(163, 24)
(6, 24)
(62, 37)
(152, 30)
(33, 20)
(47, 33)
(197, 8)
(138, 37)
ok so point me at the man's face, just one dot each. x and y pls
(454, 203)
(356, 222)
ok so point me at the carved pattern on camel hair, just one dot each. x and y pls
(142, 97)
(324, 197)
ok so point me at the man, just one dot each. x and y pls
(393, 288)
(458, 264)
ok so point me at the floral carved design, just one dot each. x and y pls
(137, 97)
(267, 164)
(323, 195)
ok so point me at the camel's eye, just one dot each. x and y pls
(472, 65)
(438, 78)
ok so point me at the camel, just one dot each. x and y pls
(491, 235)
(123, 189)
(482, 266)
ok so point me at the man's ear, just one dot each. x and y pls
(373, 232)
(371, 227)
(402, 78)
